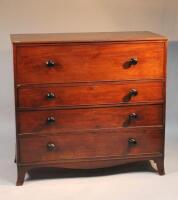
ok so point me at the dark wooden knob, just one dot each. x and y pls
(51, 146)
(50, 63)
(50, 95)
(133, 116)
(133, 61)
(133, 93)
(130, 94)
(132, 142)
(50, 120)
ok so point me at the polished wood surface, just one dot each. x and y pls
(90, 145)
(92, 118)
(89, 100)
(90, 94)
(89, 62)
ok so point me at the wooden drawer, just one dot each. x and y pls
(94, 118)
(89, 94)
(89, 62)
(96, 144)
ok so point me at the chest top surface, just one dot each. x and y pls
(86, 37)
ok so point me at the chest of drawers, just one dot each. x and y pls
(89, 100)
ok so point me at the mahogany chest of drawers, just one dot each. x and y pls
(89, 100)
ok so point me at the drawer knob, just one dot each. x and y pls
(50, 120)
(50, 63)
(132, 142)
(51, 146)
(133, 61)
(133, 116)
(133, 93)
(50, 95)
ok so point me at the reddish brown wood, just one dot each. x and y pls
(89, 62)
(21, 171)
(94, 120)
(90, 94)
(90, 145)
(160, 165)
(92, 163)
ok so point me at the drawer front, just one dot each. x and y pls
(89, 62)
(80, 119)
(89, 94)
(126, 142)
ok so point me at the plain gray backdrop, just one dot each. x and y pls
(19, 16)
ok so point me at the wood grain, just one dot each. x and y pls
(89, 62)
(90, 145)
(89, 94)
(82, 119)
